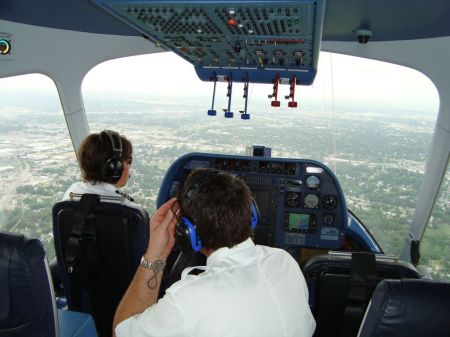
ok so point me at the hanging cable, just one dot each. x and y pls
(334, 115)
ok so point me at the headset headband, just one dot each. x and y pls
(116, 146)
(198, 183)
(113, 168)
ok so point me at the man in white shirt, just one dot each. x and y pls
(105, 160)
(245, 289)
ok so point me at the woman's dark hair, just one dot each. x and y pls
(94, 152)
(219, 204)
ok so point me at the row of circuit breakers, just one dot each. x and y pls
(272, 42)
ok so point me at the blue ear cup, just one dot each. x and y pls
(255, 215)
(186, 231)
(187, 236)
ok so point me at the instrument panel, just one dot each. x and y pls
(301, 202)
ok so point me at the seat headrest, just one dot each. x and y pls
(11, 245)
(7, 247)
(408, 307)
(25, 291)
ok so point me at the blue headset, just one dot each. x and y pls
(187, 235)
(186, 231)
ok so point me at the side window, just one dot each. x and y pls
(435, 244)
(382, 140)
(37, 161)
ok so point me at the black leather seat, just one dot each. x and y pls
(339, 292)
(413, 308)
(106, 257)
(27, 303)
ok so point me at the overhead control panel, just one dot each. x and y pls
(239, 41)
(300, 201)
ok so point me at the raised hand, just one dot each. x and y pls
(162, 232)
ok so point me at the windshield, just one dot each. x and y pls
(370, 122)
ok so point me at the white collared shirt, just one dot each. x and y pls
(100, 188)
(247, 290)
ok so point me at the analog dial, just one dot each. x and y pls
(311, 201)
(313, 182)
(328, 219)
(292, 199)
(330, 202)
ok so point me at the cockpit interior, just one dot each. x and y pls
(355, 289)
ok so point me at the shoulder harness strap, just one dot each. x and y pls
(83, 228)
(363, 278)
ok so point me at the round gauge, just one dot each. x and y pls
(311, 201)
(328, 219)
(292, 199)
(330, 202)
(313, 182)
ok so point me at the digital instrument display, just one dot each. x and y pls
(298, 222)
(314, 169)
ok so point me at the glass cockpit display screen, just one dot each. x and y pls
(298, 222)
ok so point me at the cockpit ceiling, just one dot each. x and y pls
(388, 20)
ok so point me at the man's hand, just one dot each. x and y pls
(162, 232)
(139, 295)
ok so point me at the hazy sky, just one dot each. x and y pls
(354, 81)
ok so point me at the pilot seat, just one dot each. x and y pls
(27, 302)
(99, 242)
(341, 284)
(407, 307)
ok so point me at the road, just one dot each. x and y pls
(20, 175)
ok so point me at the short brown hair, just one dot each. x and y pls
(94, 152)
(219, 204)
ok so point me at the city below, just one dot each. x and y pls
(378, 158)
